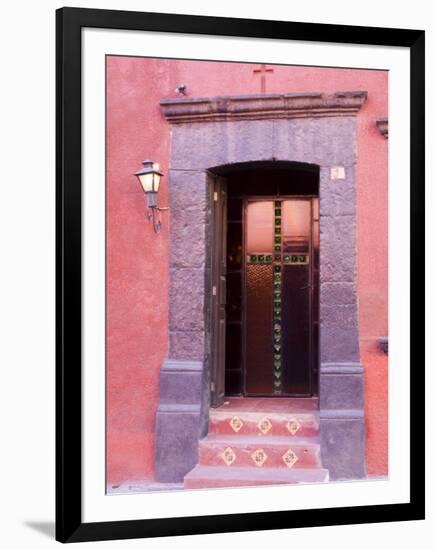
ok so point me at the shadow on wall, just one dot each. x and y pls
(46, 528)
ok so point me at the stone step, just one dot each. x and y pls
(263, 423)
(259, 452)
(202, 477)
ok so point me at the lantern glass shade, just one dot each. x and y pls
(149, 182)
(149, 176)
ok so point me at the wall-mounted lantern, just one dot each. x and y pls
(149, 178)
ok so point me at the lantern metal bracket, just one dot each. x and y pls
(151, 215)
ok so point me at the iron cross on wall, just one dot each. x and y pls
(263, 71)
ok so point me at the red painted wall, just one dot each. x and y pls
(137, 259)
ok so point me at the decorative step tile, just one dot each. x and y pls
(293, 426)
(228, 456)
(264, 425)
(259, 457)
(290, 458)
(236, 423)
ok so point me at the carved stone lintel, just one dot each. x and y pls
(382, 125)
(262, 106)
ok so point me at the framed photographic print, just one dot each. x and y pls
(240, 274)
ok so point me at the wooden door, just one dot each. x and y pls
(218, 290)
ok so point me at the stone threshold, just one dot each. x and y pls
(269, 404)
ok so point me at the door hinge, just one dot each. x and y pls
(214, 291)
(215, 196)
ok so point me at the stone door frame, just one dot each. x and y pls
(207, 133)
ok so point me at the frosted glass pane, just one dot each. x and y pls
(260, 227)
(296, 226)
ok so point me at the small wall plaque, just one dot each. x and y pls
(337, 173)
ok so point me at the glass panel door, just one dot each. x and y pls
(280, 318)
(259, 293)
(295, 296)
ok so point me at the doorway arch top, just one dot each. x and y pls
(240, 167)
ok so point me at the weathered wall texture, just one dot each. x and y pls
(137, 259)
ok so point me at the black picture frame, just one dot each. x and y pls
(69, 525)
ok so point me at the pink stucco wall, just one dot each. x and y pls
(137, 259)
